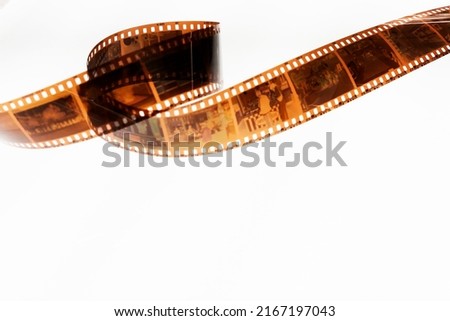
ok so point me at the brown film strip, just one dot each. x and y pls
(155, 89)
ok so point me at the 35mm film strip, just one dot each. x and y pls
(155, 89)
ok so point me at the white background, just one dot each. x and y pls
(375, 230)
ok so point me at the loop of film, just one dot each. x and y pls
(156, 89)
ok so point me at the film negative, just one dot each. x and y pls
(156, 89)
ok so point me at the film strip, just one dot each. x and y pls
(156, 89)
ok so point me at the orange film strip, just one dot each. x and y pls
(156, 89)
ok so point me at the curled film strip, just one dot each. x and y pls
(155, 89)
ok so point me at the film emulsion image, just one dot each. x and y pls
(155, 38)
(10, 131)
(185, 67)
(413, 40)
(320, 81)
(368, 59)
(443, 29)
(136, 95)
(165, 89)
(162, 36)
(149, 133)
(106, 110)
(130, 44)
(155, 77)
(110, 53)
(441, 23)
(143, 94)
(214, 124)
(58, 118)
(264, 106)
